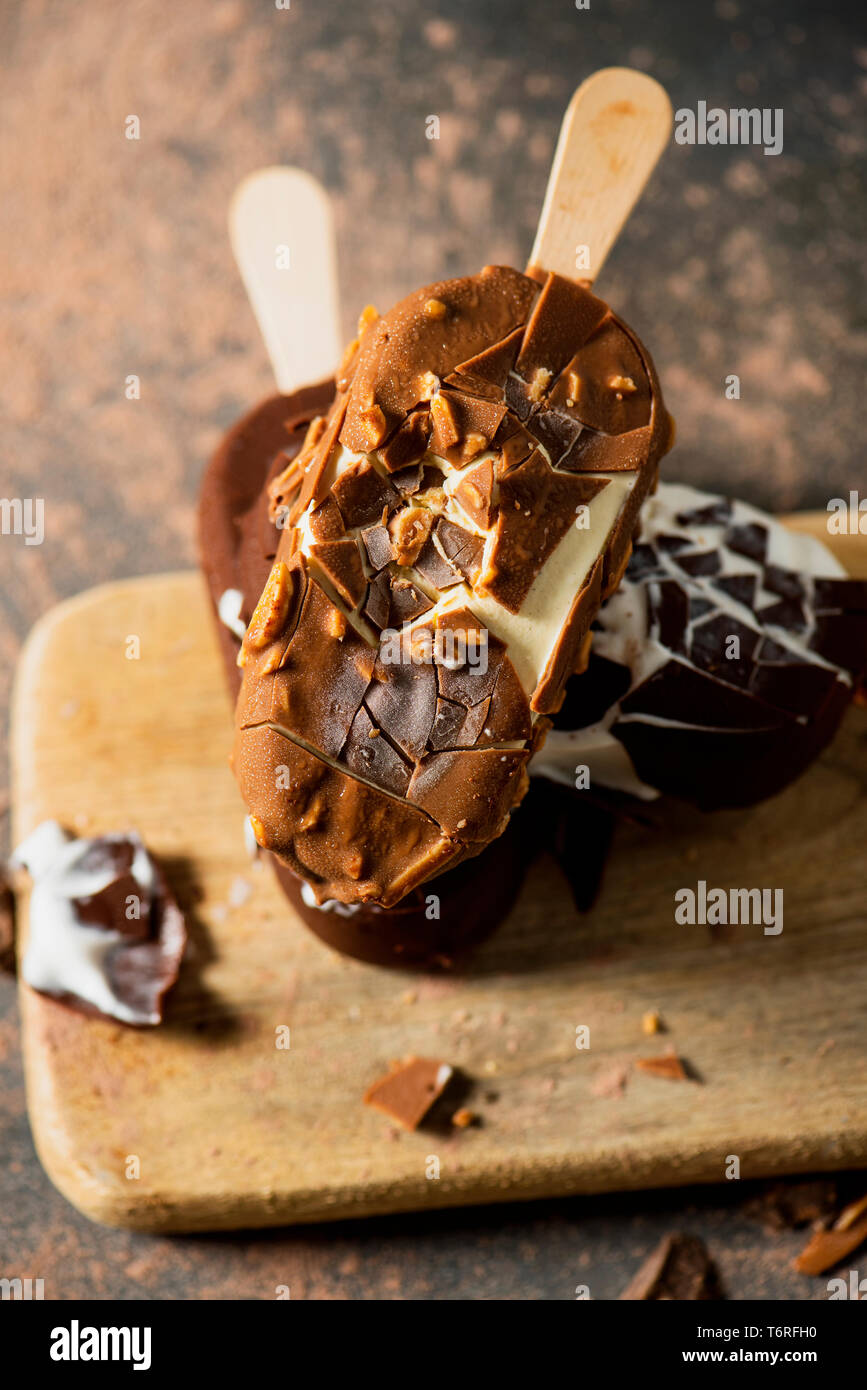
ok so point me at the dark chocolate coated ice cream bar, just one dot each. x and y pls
(723, 664)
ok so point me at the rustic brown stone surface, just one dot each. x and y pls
(114, 261)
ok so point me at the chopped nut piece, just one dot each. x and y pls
(272, 609)
(445, 424)
(428, 385)
(373, 424)
(367, 317)
(435, 309)
(463, 1118)
(651, 1022)
(409, 530)
(623, 384)
(539, 384)
(336, 624)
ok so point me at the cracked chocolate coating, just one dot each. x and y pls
(535, 391)
(238, 542)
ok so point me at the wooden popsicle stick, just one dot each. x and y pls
(282, 234)
(615, 128)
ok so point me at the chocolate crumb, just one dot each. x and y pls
(463, 1118)
(668, 1066)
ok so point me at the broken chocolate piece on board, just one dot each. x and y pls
(679, 1269)
(105, 931)
(668, 1066)
(703, 682)
(439, 461)
(406, 1093)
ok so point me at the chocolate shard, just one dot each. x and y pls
(474, 386)
(377, 605)
(741, 587)
(458, 727)
(461, 548)
(433, 566)
(668, 610)
(341, 563)
(370, 755)
(605, 384)
(407, 1092)
(326, 523)
(377, 543)
(679, 1269)
(108, 884)
(508, 717)
(514, 443)
(593, 452)
(407, 602)
(701, 564)
(362, 494)
(408, 443)
(786, 612)
(469, 657)
(749, 538)
(402, 701)
(327, 666)
(474, 493)
(473, 725)
(494, 363)
(407, 480)
(564, 316)
(558, 433)
(448, 722)
(469, 793)
(726, 647)
(313, 460)
(783, 582)
(536, 508)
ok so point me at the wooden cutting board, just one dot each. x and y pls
(230, 1131)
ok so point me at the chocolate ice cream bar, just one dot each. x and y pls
(238, 542)
(447, 534)
(723, 664)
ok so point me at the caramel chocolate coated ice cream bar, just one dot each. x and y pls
(723, 664)
(238, 542)
(448, 532)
